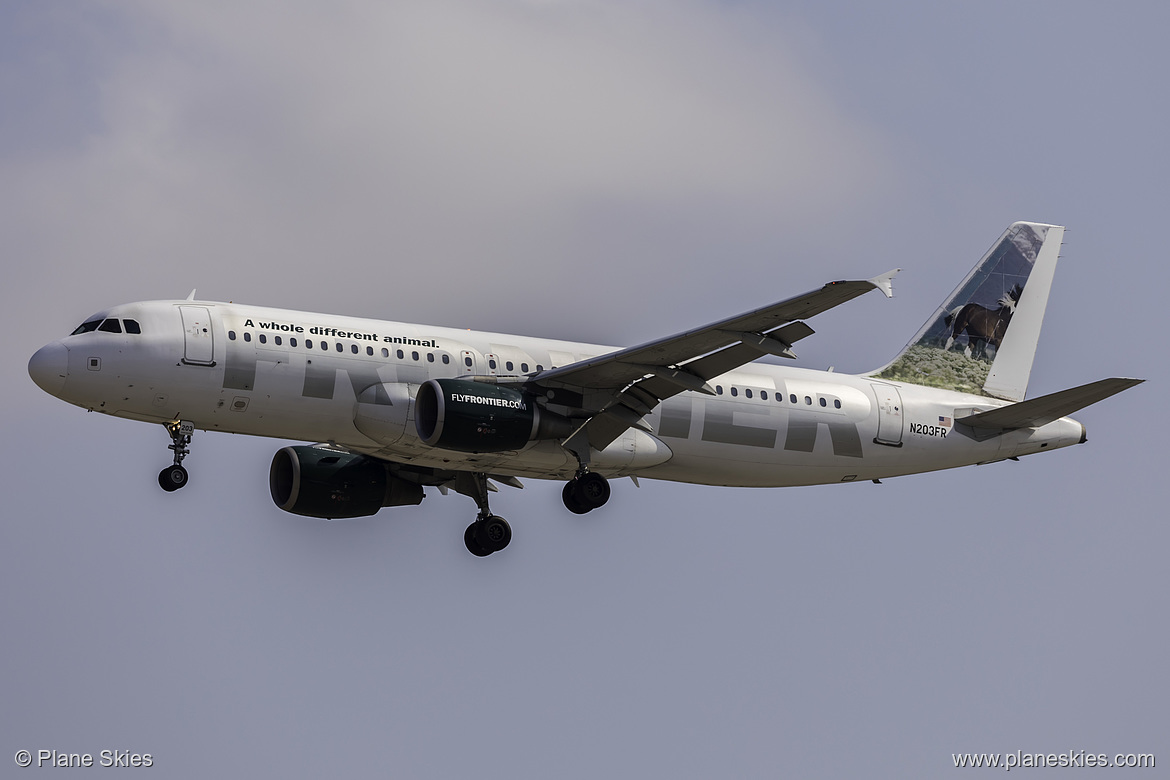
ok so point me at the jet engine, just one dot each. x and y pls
(471, 416)
(319, 482)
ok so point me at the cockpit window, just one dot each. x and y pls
(132, 326)
(86, 327)
(110, 326)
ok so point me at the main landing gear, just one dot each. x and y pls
(585, 492)
(489, 533)
(175, 476)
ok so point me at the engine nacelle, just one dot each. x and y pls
(469, 416)
(317, 482)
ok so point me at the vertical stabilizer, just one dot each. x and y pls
(1012, 366)
(983, 338)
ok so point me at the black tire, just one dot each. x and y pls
(569, 496)
(172, 478)
(494, 533)
(473, 545)
(592, 490)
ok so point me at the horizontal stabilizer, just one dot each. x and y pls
(1046, 408)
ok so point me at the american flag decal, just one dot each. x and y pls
(944, 420)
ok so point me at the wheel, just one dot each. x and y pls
(592, 490)
(473, 545)
(172, 478)
(494, 533)
(569, 496)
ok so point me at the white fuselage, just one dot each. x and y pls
(350, 381)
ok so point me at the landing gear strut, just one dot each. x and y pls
(489, 533)
(175, 476)
(585, 492)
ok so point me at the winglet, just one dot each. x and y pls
(191, 297)
(885, 282)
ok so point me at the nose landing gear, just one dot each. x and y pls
(175, 476)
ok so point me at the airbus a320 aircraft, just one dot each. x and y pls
(399, 407)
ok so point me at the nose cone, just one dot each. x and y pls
(49, 366)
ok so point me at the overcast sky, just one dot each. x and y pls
(609, 172)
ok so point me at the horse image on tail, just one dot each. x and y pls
(982, 326)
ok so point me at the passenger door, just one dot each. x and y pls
(198, 336)
(890, 417)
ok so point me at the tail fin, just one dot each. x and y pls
(983, 338)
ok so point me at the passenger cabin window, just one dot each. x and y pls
(467, 361)
(370, 351)
(401, 354)
(837, 403)
(86, 327)
(340, 348)
(132, 326)
(524, 367)
(277, 340)
(763, 395)
(385, 352)
(247, 336)
(446, 358)
(792, 398)
(414, 356)
(824, 402)
(492, 364)
(231, 335)
(508, 366)
(718, 389)
(748, 392)
(430, 357)
(110, 326)
(353, 348)
(263, 339)
(292, 341)
(734, 391)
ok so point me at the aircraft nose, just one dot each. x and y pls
(49, 366)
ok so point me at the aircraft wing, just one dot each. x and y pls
(622, 387)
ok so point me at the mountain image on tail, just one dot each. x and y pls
(983, 338)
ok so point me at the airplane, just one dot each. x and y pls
(396, 407)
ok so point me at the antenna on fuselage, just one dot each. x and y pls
(191, 297)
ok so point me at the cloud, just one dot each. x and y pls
(512, 148)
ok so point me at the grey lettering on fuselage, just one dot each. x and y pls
(676, 418)
(239, 371)
(846, 439)
(319, 379)
(718, 426)
(320, 376)
(802, 435)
